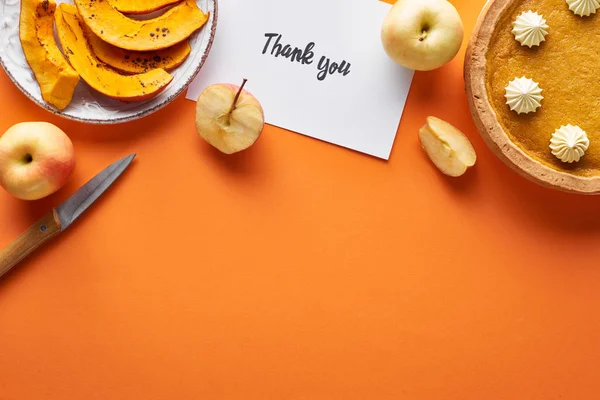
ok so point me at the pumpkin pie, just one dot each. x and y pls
(531, 73)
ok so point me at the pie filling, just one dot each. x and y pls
(566, 66)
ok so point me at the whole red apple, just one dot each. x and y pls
(36, 159)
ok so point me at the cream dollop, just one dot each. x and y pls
(530, 29)
(523, 95)
(569, 143)
(583, 8)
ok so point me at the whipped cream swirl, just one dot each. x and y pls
(569, 143)
(530, 29)
(583, 8)
(523, 95)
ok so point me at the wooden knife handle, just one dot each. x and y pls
(31, 239)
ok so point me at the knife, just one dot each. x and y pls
(61, 217)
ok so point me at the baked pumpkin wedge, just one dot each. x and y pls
(136, 62)
(141, 6)
(55, 76)
(97, 74)
(174, 26)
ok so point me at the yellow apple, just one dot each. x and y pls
(422, 34)
(447, 147)
(36, 159)
(229, 118)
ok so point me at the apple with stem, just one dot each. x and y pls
(36, 159)
(422, 34)
(229, 118)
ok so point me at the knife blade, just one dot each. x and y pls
(61, 217)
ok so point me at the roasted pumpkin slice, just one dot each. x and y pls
(98, 75)
(141, 6)
(55, 76)
(174, 26)
(135, 62)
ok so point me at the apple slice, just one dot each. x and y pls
(229, 118)
(447, 147)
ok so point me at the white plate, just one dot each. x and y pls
(88, 105)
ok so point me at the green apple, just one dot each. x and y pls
(422, 34)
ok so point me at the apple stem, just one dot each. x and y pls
(423, 35)
(237, 96)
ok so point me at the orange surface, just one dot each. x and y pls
(301, 271)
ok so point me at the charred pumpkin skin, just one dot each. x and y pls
(55, 76)
(141, 6)
(97, 74)
(136, 62)
(174, 26)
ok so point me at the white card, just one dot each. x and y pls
(357, 106)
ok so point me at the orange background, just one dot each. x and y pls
(301, 270)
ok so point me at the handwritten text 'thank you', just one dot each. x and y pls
(304, 56)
